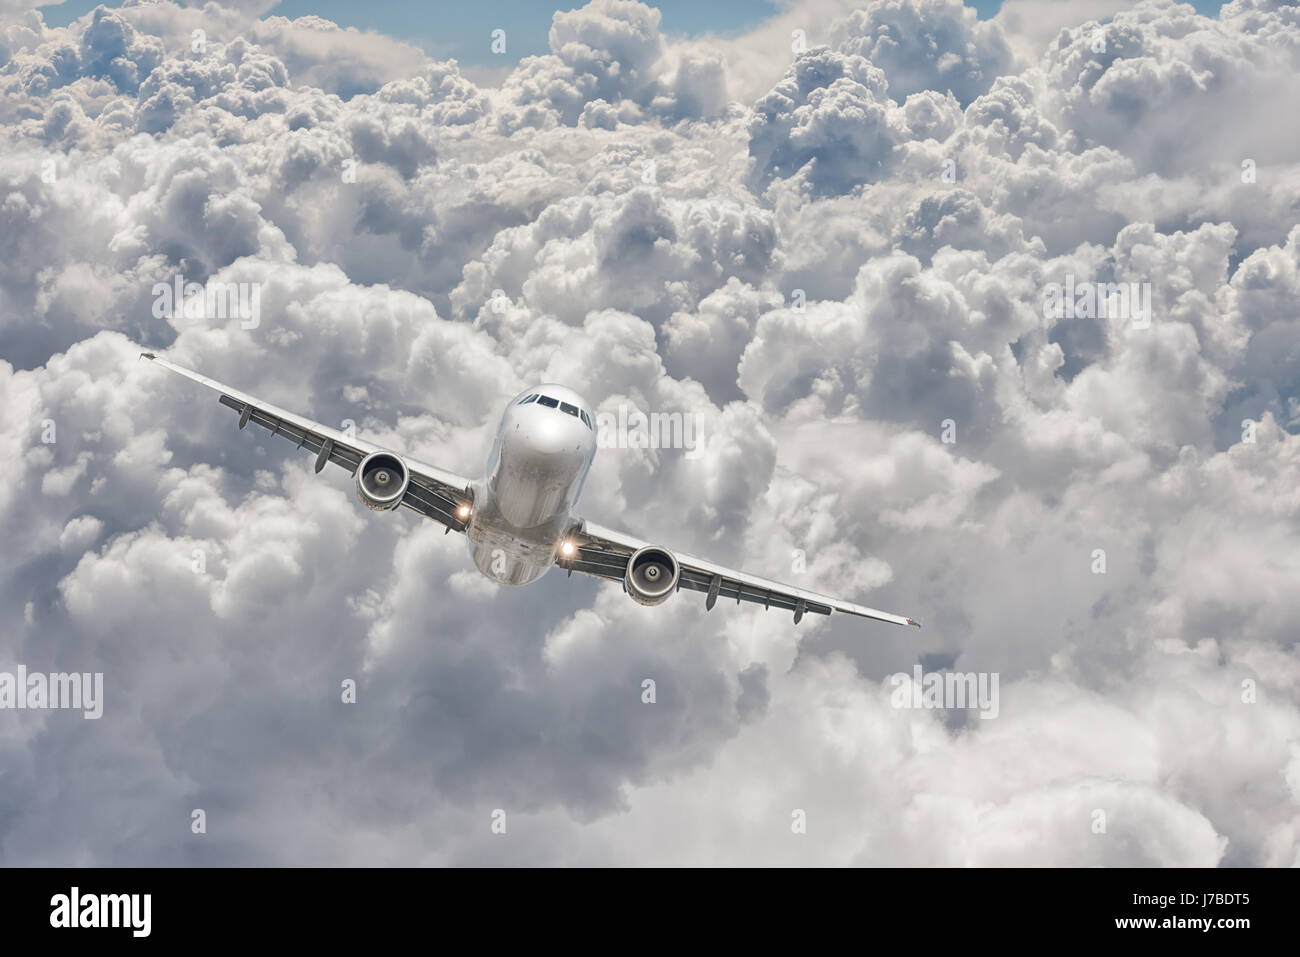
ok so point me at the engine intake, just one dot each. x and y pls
(652, 574)
(382, 479)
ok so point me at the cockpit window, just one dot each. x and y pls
(565, 407)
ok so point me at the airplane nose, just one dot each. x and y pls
(546, 441)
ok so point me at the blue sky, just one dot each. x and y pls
(463, 30)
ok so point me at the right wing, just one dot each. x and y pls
(604, 553)
(433, 492)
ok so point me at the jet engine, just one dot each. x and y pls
(652, 574)
(382, 478)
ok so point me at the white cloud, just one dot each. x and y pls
(1031, 24)
(837, 259)
(926, 45)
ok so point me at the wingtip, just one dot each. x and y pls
(147, 355)
(912, 622)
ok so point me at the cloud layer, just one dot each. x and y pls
(834, 248)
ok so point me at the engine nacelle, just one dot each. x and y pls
(382, 478)
(652, 574)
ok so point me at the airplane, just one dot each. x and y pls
(518, 518)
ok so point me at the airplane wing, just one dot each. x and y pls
(604, 553)
(433, 492)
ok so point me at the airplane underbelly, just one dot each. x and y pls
(502, 562)
(529, 495)
(503, 548)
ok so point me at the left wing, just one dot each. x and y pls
(437, 494)
(604, 553)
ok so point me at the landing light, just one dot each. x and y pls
(566, 549)
(463, 511)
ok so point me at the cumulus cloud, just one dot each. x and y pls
(834, 249)
(828, 120)
(927, 45)
(611, 51)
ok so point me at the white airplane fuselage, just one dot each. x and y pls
(524, 504)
